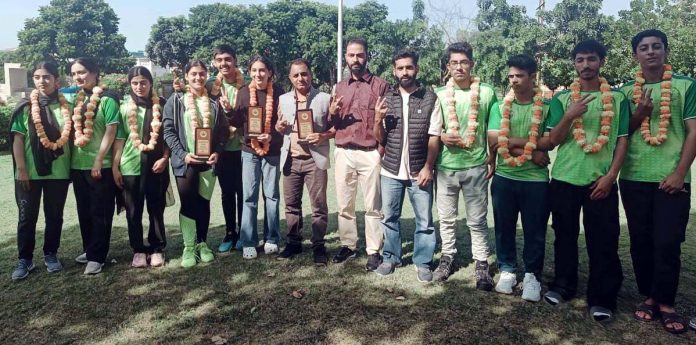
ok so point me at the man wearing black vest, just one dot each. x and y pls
(404, 125)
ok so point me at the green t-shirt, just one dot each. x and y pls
(107, 114)
(572, 164)
(455, 158)
(130, 158)
(647, 163)
(234, 143)
(60, 168)
(190, 137)
(520, 123)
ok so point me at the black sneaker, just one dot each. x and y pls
(320, 258)
(444, 269)
(484, 281)
(373, 261)
(289, 251)
(344, 254)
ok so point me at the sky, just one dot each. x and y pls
(138, 16)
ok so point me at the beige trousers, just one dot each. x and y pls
(353, 167)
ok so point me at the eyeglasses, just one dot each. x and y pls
(462, 63)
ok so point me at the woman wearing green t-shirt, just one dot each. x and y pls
(140, 166)
(184, 113)
(40, 128)
(95, 120)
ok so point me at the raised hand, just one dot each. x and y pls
(380, 110)
(336, 105)
(644, 107)
(577, 109)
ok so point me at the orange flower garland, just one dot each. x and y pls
(155, 124)
(503, 140)
(84, 136)
(607, 115)
(193, 110)
(665, 110)
(262, 148)
(217, 82)
(36, 119)
(472, 124)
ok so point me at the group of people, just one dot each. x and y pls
(390, 141)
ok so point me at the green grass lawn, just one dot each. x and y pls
(242, 301)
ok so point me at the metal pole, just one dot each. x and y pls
(339, 43)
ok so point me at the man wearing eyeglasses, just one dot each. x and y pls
(463, 165)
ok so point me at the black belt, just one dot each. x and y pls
(357, 147)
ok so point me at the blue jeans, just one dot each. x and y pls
(531, 200)
(392, 202)
(257, 171)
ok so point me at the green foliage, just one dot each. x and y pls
(288, 29)
(68, 29)
(117, 82)
(5, 114)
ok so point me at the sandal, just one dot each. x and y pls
(651, 310)
(671, 319)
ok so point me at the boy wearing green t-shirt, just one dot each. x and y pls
(655, 180)
(223, 87)
(584, 177)
(462, 165)
(521, 181)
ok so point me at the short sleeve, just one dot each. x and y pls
(556, 112)
(121, 132)
(19, 123)
(494, 118)
(110, 110)
(690, 102)
(436, 120)
(623, 117)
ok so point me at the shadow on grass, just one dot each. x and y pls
(251, 301)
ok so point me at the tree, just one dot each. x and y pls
(68, 29)
(504, 31)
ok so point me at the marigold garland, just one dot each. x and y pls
(472, 124)
(217, 82)
(36, 119)
(665, 109)
(606, 118)
(190, 98)
(155, 124)
(84, 136)
(503, 140)
(260, 148)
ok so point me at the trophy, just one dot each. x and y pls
(254, 122)
(203, 143)
(305, 124)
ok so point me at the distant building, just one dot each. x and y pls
(147, 63)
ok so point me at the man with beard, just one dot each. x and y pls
(409, 129)
(655, 180)
(521, 181)
(304, 161)
(357, 158)
(462, 166)
(584, 177)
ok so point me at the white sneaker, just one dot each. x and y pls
(81, 259)
(249, 253)
(531, 288)
(270, 248)
(93, 267)
(506, 282)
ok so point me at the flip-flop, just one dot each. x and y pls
(692, 323)
(652, 310)
(672, 318)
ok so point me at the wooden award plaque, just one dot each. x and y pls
(305, 123)
(254, 122)
(203, 142)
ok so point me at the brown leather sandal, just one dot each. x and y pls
(671, 319)
(652, 310)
